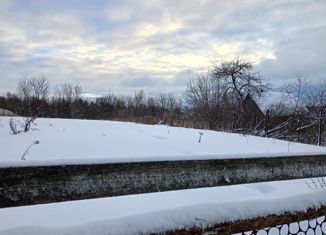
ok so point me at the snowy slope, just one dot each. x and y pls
(81, 141)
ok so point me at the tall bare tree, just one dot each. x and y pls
(240, 78)
(34, 86)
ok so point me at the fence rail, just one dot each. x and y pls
(44, 184)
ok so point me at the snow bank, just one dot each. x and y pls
(79, 141)
(157, 212)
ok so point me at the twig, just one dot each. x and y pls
(26, 151)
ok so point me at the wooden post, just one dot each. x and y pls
(319, 126)
(298, 131)
(233, 122)
(266, 123)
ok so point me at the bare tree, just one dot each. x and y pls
(239, 78)
(33, 91)
(24, 89)
(168, 106)
(162, 101)
(64, 92)
(204, 96)
(129, 101)
(77, 91)
(173, 102)
(296, 94)
(151, 104)
(139, 99)
(68, 92)
(316, 95)
(107, 99)
(40, 87)
(33, 87)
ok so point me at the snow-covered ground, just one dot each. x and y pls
(81, 141)
(78, 141)
(155, 212)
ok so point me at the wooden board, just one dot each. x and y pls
(44, 184)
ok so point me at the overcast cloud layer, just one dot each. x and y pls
(120, 46)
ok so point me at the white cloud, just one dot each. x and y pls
(98, 44)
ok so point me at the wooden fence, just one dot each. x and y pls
(45, 184)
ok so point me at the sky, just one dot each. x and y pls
(121, 46)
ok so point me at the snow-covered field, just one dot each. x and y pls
(78, 141)
(81, 141)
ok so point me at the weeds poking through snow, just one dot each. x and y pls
(200, 135)
(24, 127)
(26, 152)
(13, 127)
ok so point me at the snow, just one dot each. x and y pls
(79, 141)
(157, 212)
(63, 141)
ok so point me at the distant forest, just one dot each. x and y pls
(215, 100)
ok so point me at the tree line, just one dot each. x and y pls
(32, 99)
(213, 100)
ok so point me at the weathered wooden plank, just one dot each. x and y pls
(43, 184)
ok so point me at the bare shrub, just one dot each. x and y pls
(204, 97)
(13, 126)
(27, 123)
(17, 126)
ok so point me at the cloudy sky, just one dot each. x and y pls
(157, 45)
